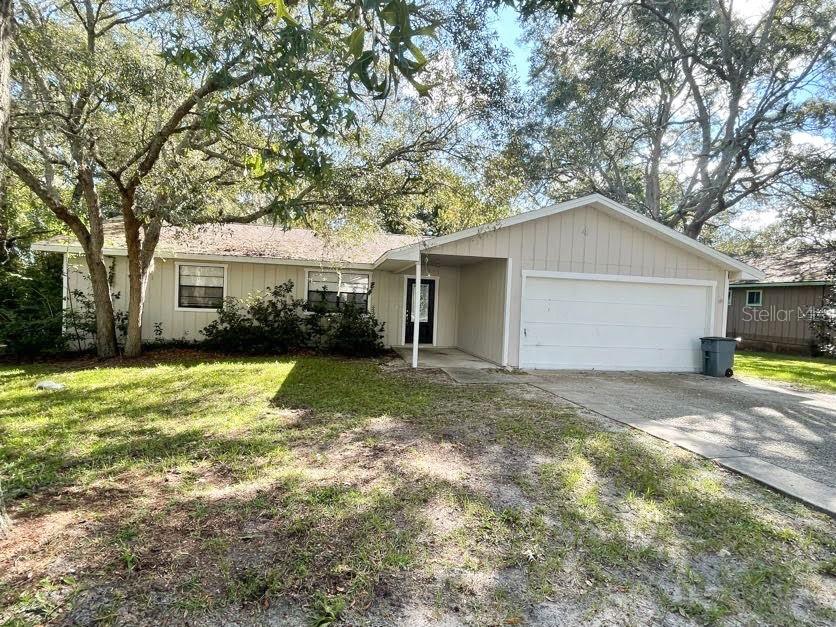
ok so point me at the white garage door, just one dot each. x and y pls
(613, 323)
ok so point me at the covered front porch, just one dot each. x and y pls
(461, 307)
(439, 358)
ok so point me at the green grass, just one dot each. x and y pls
(817, 373)
(332, 487)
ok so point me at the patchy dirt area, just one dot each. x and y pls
(314, 491)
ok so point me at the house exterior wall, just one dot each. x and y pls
(387, 297)
(389, 301)
(482, 308)
(586, 240)
(778, 324)
(470, 298)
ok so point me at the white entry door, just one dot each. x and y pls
(609, 322)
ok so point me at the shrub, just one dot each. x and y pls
(273, 322)
(264, 322)
(30, 308)
(823, 323)
(351, 332)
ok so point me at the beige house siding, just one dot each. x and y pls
(777, 323)
(585, 240)
(243, 278)
(470, 298)
(389, 300)
(482, 308)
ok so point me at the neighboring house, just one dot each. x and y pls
(582, 284)
(775, 312)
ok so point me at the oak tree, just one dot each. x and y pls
(682, 110)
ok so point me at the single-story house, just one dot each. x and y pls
(775, 312)
(586, 284)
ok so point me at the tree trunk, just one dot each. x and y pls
(105, 325)
(5, 521)
(140, 265)
(137, 282)
(5, 75)
(106, 346)
(694, 228)
(5, 117)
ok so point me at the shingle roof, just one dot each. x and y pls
(791, 266)
(251, 240)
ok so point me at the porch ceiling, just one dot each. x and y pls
(453, 260)
(431, 259)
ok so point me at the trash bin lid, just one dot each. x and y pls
(719, 338)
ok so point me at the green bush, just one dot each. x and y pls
(274, 322)
(349, 331)
(30, 308)
(824, 322)
(268, 322)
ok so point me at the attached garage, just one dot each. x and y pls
(585, 321)
(585, 284)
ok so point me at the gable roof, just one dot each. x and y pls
(792, 265)
(306, 247)
(249, 241)
(600, 202)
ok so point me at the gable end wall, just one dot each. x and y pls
(586, 240)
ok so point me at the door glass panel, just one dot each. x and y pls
(423, 306)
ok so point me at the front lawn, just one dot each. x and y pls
(309, 490)
(817, 373)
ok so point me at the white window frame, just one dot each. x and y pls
(177, 265)
(760, 299)
(368, 273)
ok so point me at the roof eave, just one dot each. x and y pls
(410, 252)
(163, 254)
(813, 283)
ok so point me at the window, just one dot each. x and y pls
(332, 290)
(200, 287)
(729, 300)
(423, 304)
(754, 298)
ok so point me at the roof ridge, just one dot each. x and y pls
(281, 228)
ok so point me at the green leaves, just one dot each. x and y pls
(280, 8)
(355, 42)
(393, 52)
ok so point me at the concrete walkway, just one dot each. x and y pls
(432, 357)
(782, 438)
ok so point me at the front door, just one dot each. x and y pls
(426, 315)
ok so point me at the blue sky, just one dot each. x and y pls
(508, 28)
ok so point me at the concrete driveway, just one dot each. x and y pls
(779, 436)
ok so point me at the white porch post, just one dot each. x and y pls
(725, 305)
(416, 311)
(506, 323)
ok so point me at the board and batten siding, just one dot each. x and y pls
(783, 307)
(482, 308)
(585, 240)
(389, 301)
(243, 278)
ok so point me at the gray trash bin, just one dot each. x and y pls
(718, 356)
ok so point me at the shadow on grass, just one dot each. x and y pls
(755, 565)
(323, 514)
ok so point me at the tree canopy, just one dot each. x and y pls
(682, 110)
(167, 111)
